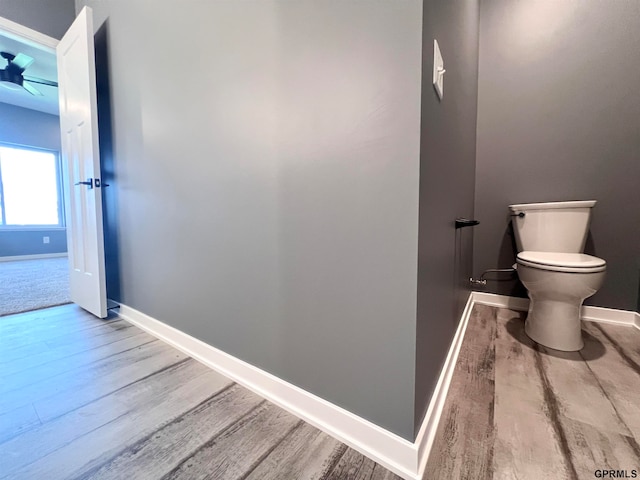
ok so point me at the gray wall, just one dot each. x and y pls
(20, 126)
(266, 159)
(559, 119)
(447, 177)
(30, 242)
(51, 17)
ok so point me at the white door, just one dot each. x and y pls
(81, 160)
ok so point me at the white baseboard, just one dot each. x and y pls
(514, 303)
(589, 313)
(390, 450)
(33, 257)
(427, 433)
(609, 315)
(404, 458)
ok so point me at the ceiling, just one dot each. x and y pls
(43, 67)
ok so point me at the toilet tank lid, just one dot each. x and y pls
(547, 205)
(556, 259)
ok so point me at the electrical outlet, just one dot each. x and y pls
(45, 239)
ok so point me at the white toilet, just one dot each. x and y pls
(550, 238)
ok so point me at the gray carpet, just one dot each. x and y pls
(32, 284)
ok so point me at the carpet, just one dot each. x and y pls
(32, 284)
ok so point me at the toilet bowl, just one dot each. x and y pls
(550, 238)
(558, 283)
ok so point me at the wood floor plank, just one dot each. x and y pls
(353, 466)
(381, 473)
(10, 321)
(619, 382)
(306, 454)
(74, 374)
(69, 338)
(45, 355)
(469, 425)
(57, 367)
(114, 375)
(28, 355)
(48, 437)
(51, 396)
(10, 353)
(17, 421)
(593, 449)
(241, 448)
(45, 322)
(555, 415)
(41, 331)
(61, 325)
(625, 340)
(572, 381)
(79, 403)
(525, 430)
(82, 440)
(159, 453)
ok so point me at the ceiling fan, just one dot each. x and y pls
(14, 73)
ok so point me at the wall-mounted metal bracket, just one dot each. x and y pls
(465, 222)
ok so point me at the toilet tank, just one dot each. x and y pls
(551, 227)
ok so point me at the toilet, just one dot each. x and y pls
(550, 239)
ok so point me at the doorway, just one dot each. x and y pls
(73, 58)
(33, 248)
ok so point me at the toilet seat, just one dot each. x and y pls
(562, 262)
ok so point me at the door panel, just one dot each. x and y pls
(79, 127)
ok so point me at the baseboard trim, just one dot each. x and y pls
(404, 458)
(33, 257)
(429, 427)
(589, 313)
(390, 450)
(609, 315)
(503, 301)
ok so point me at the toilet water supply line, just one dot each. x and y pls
(482, 282)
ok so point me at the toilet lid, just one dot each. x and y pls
(562, 262)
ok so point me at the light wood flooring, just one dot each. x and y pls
(82, 398)
(517, 410)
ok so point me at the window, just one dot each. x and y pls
(30, 193)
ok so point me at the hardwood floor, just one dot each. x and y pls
(517, 410)
(82, 398)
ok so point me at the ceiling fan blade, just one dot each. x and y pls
(31, 89)
(22, 61)
(41, 81)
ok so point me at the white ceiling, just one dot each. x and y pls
(43, 67)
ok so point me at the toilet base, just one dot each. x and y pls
(555, 324)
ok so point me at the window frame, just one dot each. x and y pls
(61, 225)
